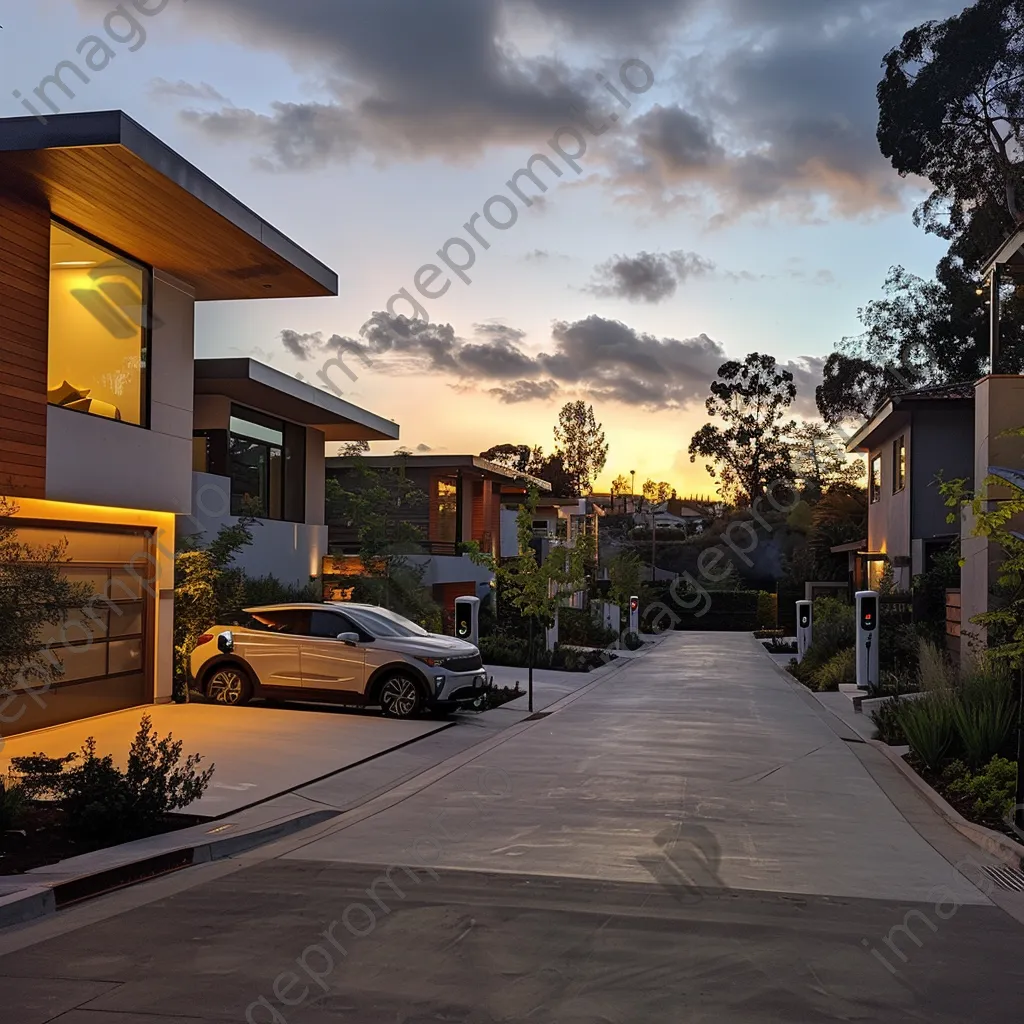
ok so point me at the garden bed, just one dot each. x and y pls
(41, 838)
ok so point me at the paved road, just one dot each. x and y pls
(690, 839)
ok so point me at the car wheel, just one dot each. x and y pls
(400, 697)
(229, 684)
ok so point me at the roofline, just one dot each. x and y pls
(444, 461)
(1010, 247)
(889, 406)
(243, 368)
(116, 128)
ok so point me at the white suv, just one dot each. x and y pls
(339, 653)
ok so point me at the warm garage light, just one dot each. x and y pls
(77, 263)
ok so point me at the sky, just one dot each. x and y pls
(712, 187)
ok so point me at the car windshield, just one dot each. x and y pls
(382, 622)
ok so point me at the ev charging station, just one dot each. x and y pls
(634, 615)
(467, 619)
(867, 639)
(804, 627)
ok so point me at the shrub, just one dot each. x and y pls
(840, 668)
(767, 610)
(831, 609)
(578, 626)
(101, 802)
(929, 727)
(899, 649)
(830, 638)
(886, 718)
(261, 590)
(632, 642)
(12, 802)
(934, 671)
(990, 791)
(984, 712)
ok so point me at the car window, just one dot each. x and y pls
(328, 625)
(293, 621)
(384, 623)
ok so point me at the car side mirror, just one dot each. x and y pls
(226, 642)
(349, 638)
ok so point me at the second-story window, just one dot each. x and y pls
(875, 482)
(99, 329)
(899, 463)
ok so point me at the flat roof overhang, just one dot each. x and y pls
(105, 174)
(470, 465)
(261, 387)
(1009, 257)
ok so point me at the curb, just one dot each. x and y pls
(998, 846)
(44, 897)
(1002, 849)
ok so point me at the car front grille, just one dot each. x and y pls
(467, 664)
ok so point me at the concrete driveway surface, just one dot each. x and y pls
(691, 838)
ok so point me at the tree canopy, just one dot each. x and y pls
(749, 452)
(581, 445)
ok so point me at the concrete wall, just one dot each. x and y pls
(998, 407)
(97, 461)
(290, 551)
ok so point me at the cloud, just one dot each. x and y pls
(526, 391)
(499, 331)
(648, 277)
(302, 346)
(161, 87)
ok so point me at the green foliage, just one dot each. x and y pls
(820, 462)
(512, 651)
(102, 803)
(994, 519)
(261, 590)
(208, 587)
(886, 718)
(935, 673)
(13, 799)
(984, 710)
(990, 791)
(712, 610)
(767, 610)
(579, 627)
(749, 452)
(34, 594)
(929, 726)
(625, 571)
(632, 642)
(581, 445)
(930, 589)
(841, 668)
(899, 648)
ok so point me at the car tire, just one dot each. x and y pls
(229, 684)
(400, 696)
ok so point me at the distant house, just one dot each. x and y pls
(463, 501)
(912, 439)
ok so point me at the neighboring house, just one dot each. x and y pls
(671, 515)
(108, 239)
(912, 439)
(556, 521)
(462, 502)
(258, 440)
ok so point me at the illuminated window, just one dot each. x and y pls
(99, 329)
(876, 478)
(899, 464)
(447, 511)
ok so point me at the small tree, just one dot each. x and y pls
(35, 592)
(820, 461)
(209, 589)
(580, 445)
(749, 453)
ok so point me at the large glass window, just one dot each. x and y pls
(256, 464)
(99, 329)
(447, 510)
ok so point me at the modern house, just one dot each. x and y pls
(460, 500)
(259, 444)
(912, 440)
(108, 239)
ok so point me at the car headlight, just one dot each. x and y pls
(432, 662)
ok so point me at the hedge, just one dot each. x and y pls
(728, 610)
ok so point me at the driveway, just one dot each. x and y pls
(259, 751)
(691, 838)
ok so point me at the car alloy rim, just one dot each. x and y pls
(226, 687)
(399, 696)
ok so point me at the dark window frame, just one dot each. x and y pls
(292, 496)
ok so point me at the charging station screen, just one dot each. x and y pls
(633, 605)
(463, 620)
(868, 613)
(805, 617)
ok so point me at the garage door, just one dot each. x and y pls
(101, 652)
